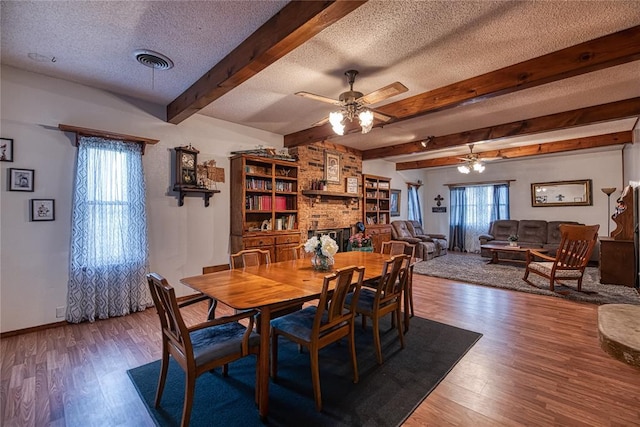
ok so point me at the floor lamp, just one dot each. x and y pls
(608, 191)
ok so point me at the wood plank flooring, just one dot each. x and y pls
(537, 364)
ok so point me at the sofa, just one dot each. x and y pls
(531, 234)
(428, 245)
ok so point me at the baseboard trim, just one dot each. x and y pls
(33, 329)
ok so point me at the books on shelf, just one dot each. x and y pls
(286, 222)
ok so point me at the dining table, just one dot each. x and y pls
(270, 287)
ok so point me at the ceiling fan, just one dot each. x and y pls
(473, 161)
(354, 104)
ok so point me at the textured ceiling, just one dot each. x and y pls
(423, 44)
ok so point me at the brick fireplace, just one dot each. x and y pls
(330, 216)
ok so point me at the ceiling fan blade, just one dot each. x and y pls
(318, 98)
(383, 93)
(490, 159)
(321, 122)
(381, 117)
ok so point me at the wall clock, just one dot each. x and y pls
(185, 167)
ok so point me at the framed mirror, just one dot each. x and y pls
(561, 193)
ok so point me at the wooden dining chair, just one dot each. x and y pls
(396, 247)
(300, 253)
(386, 298)
(250, 258)
(316, 327)
(576, 245)
(199, 348)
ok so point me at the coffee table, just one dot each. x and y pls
(497, 249)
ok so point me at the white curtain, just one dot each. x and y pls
(415, 213)
(474, 208)
(109, 250)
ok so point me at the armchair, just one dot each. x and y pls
(400, 231)
(440, 240)
(571, 258)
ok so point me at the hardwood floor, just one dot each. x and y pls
(537, 364)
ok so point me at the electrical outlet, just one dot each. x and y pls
(59, 312)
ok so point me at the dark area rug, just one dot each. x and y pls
(474, 269)
(385, 395)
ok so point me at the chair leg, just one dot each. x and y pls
(189, 389)
(400, 333)
(164, 367)
(211, 314)
(376, 339)
(352, 351)
(225, 370)
(274, 354)
(258, 379)
(315, 377)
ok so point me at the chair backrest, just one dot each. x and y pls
(415, 228)
(398, 247)
(576, 245)
(250, 258)
(332, 307)
(174, 331)
(215, 268)
(299, 252)
(394, 272)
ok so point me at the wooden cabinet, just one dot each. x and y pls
(376, 200)
(379, 234)
(264, 205)
(617, 261)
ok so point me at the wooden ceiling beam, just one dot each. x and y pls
(568, 119)
(293, 25)
(616, 138)
(603, 52)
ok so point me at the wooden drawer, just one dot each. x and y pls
(256, 242)
(288, 239)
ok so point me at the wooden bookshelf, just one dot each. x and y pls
(264, 205)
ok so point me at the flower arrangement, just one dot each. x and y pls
(360, 240)
(323, 250)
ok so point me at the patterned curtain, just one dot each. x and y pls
(109, 250)
(473, 208)
(415, 213)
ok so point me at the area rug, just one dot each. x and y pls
(474, 269)
(385, 395)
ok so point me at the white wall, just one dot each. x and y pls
(34, 256)
(603, 168)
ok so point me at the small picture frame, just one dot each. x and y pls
(394, 203)
(21, 179)
(332, 167)
(6, 150)
(352, 185)
(43, 210)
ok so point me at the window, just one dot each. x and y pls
(473, 208)
(109, 253)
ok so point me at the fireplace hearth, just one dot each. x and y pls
(340, 235)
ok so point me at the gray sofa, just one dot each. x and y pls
(428, 245)
(531, 234)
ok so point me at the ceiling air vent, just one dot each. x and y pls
(153, 59)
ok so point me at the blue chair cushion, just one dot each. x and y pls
(300, 323)
(219, 341)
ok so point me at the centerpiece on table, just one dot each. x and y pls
(361, 242)
(323, 250)
(513, 240)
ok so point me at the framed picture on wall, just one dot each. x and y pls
(332, 167)
(394, 203)
(43, 210)
(6, 150)
(21, 179)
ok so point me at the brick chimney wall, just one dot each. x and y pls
(329, 213)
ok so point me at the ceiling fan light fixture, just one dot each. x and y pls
(464, 169)
(478, 166)
(366, 120)
(336, 119)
